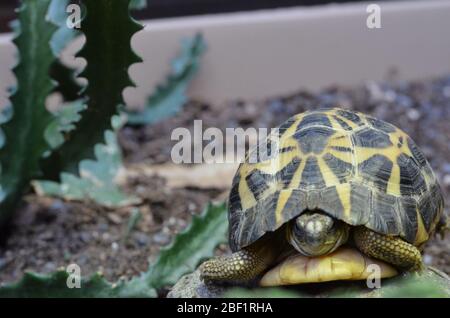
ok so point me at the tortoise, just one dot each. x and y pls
(336, 177)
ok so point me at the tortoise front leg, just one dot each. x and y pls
(242, 266)
(390, 249)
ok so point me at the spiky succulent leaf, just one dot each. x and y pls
(108, 29)
(64, 122)
(57, 14)
(55, 286)
(190, 247)
(5, 115)
(61, 73)
(97, 177)
(169, 97)
(24, 142)
(65, 77)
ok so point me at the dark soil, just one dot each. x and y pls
(49, 233)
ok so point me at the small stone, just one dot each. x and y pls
(141, 238)
(106, 236)
(251, 109)
(47, 235)
(141, 191)
(114, 246)
(390, 96)
(85, 237)
(58, 205)
(446, 168)
(428, 259)
(446, 180)
(103, 227)
(49, 267)
(192, 207)
(413, 114)
(161, 238)
(404, 101)
(276, 106)
(172, 221)
(114, 218)
(375, 91)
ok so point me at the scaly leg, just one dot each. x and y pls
(241, 266)
(390, 249)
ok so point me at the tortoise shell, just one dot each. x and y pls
(354, 167)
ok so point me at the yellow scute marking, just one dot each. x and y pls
(247, 198)
(282, 199)
(297, 176)
(344, 156)
(422, 234)
(276, 164)
(340, 140)
(327, 174)
(393, 186)
(392, 153)
(335, 124)
(344, 192)
(293, 128)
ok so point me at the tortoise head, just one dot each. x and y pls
(314, 233)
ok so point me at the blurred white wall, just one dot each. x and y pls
(259, 54)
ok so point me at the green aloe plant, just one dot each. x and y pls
(36, 143)
(24, 143)
(97, 180)
(108, 28)
(65, 76)
(169, 97)
(52, 146)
